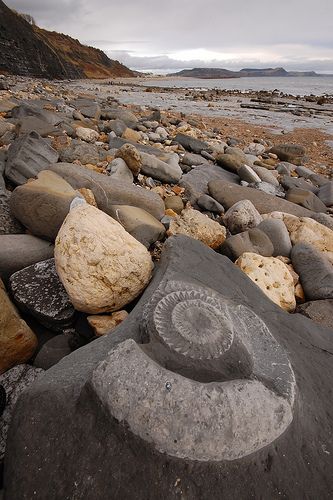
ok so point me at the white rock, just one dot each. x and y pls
(87, 134)
(272, 276)
(102, 267)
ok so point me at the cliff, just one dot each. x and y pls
(31, 51)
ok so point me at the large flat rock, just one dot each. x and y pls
(178, 388)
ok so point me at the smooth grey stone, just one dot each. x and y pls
(88, 108)
(21, 250)
(231, 162)
(100, 391)
(15, 381)
(116, 126)
(315, 271)
(247, 174)
(242, 216)
(306, 199)
(277, 232)
(285, 168)
(193, 159)
(254, 240)
(191, 143)
(297, 182)
(268, 188)
(304, 172)
(207, 156)
(109, 191)
(206, 202)
(119, 170)
(82, 151)
(325, 194)
(265, 175)
(324, 219)
(117, 143)
(228, 194)
(53, 351)
(160, 170)
(196, 181)
(37, 290)
(27, 156)
(174, 203)
(319, 180)
(320, 311)
(254, 148)
(119, 114)
(34, 109)
(292, 153)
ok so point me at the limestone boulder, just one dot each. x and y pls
(17, 341)
(242, 216)
(106, 323)
(272, 276)
(87, 134)
(101, 266)
(198, 226)
(42, 204)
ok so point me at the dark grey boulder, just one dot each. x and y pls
(82, 151)
(325, 194)
(315, 271)
(307, 173)
(285, 168)
(254, 240)
(192, 144)
(27, 156)
(277, 232)
(109, 191)
(21, 250)
(117, 143)
(124, 406)
(126, 116)
(196, 181)
(231, 162)
(116, 126)
(292, 153)
(88, 107)
(297, 182)
(193, 159)
(266, 175)
(306, 199)
(206, 202)
(119, 170)
(157, 169)
(174, 203)
(8, 223)
(52, 352)
(228, 194)
(37, 290)
(268, 188)
(320, 311)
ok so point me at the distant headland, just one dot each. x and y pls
(211, 73)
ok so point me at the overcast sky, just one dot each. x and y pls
(150, 34)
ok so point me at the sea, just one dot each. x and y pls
(301, 85)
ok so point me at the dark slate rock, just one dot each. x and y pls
(8, 223)
(228, 194)
(82, 151)
(21, 250)
(14, 382)
(320, 311)
(206, 202)
(193, 159)
(277, 232)
(88, 108)
(232, 162)
(35, 110)
(192, 144)
(117, 143)
(109, 191)
(292, 153)
(315, 271)
(297, 182)
(325, 194)
(116, 126)
(196, 181)
(52, 352)
(285, 168)
(306, 199)
(71, 405)
(3, 399)
(254, 240)
(37, 290)
(28, 155)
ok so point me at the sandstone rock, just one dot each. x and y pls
(242, 216)
(198, 226)
(27, 156)
(165, 172)
(42, 204)
(253, 241)
(228, 194)
(118, 169)
(306, 199)
(108, 191)
(88, 195)
(37, 290)
(87, 134)
(132, 158)
(175, 203)
(105, 324)
(101, 266)
(292, 153)
(131, 134)
(17, 341)
(21, 250)
(272, 276)
(278, 234)
(139, 223)
(306, 230)
(315, 271)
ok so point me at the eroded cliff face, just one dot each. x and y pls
(31, 51)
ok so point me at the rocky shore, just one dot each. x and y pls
(166, 302)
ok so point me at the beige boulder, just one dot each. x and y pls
(101, 266)
(272, 276)
(17, 341)
(198, 226)
(131, 156)
(106, 323)
(131, 135)
(87, 134)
